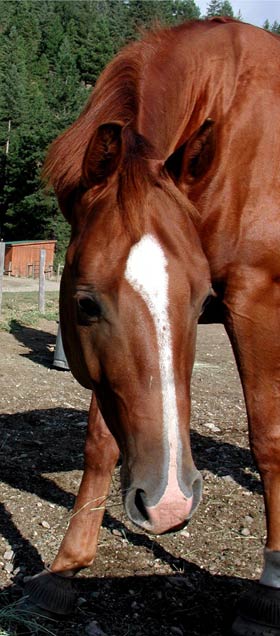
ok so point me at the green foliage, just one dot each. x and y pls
(227, 9)
(214, 8)
(96, 50)
(186, 10)
(219, 7)
(274, 28)
(22, 309)
(60, 229)
(142, 13)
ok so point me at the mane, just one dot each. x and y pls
(116, 97)
(134, 180)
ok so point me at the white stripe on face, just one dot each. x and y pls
(146, 272)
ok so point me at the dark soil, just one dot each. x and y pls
(180, 584)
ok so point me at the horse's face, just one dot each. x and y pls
(135, 306)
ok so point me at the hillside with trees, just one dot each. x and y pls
(51, 53)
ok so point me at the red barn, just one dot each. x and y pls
(22, 258)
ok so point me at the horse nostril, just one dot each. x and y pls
(140, 505)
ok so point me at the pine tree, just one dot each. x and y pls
(186, 10)
(7, 13)
(116, 13)
(27, 24)
(52, 35)
(25, 207)
(142, 13)
(214, 8)
(226, 9)
(275, 27)
(67, 95)
(219, 7)
(97, 50)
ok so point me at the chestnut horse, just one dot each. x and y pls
(170, 181)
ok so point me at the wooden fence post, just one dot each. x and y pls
(2, 260)
(42, 281)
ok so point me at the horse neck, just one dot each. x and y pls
(184, 82)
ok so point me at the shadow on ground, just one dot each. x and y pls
(40, 343)
(193, 601)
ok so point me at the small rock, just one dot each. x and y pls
(116, 532)
(93, 629)
(245, 532)
(228, 478)
(9, 555)
(9, 568)
(81, 601)
(45, 524)
(177, 631)
(157, 564)
(212, 427)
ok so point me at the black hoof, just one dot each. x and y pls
(51, 595)
(258, 613)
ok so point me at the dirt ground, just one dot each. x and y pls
(180, 584)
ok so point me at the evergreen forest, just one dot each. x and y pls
(51, 53)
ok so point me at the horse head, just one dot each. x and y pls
(134, 284)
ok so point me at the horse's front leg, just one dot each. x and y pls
(253, 326)
(51, 589)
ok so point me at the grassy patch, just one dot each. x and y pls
(23, 308)
(13, 618)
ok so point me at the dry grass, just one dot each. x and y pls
(12, 617)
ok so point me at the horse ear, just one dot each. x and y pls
(102, 155)
(193, 158)
(200, 150)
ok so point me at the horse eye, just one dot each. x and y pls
(89, 309)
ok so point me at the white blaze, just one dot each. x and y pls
(146, 272)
